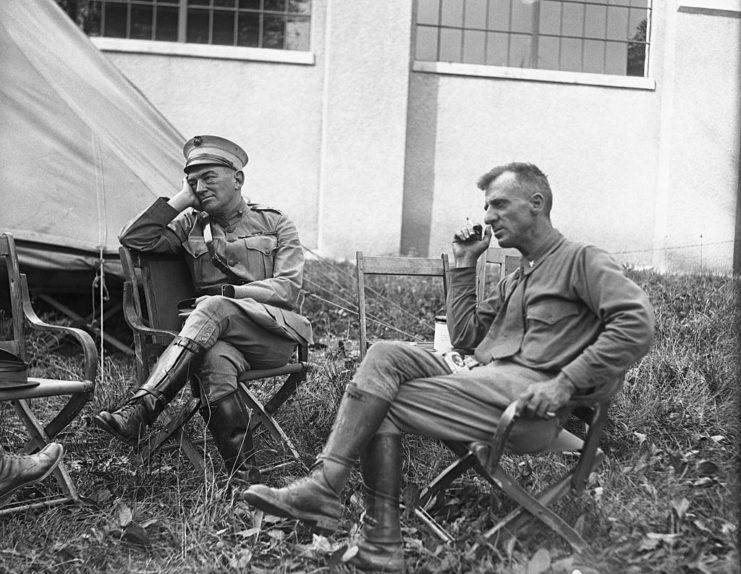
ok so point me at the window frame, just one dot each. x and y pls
(646, 82)
(205, 50)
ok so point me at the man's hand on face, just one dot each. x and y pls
(542, 400)
(185, 197)
(467, 247)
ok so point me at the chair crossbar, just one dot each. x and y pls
(47, 388)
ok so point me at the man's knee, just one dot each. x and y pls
(219, 370)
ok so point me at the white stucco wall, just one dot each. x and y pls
(365, 106)
(272, 109)
(596, 144)
(365, 149)
(704, 143)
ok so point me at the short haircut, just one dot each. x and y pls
(529, 177)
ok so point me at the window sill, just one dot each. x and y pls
(528, 74)
(203, 51)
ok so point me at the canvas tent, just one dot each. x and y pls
(81, 150)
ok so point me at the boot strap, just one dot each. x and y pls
(339, 459)
(187, 344)
(380, 495)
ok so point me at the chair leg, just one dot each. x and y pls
(60, 473)
(173, 428)
(262, 416)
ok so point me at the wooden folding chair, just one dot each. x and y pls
(484, 458)
(78, 391)
(154, 284)
(399, 266)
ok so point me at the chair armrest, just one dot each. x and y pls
(499, 440)
(135, 321)
(90, 353)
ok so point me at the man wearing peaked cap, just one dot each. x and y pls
(247, 263)
(203, 150)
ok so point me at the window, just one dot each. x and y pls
(276, 24)
(597, 36)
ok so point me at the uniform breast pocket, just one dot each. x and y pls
(551, 311)
(195, 247)
(257, 252)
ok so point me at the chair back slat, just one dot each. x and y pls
(493, 266)
(15, 343)
(164, 280)
(394, 266)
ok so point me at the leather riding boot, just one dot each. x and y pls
(228, 420)
(17, 470)
(380, 543)
(169, 375)
(316, 498)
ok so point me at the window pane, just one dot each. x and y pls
(548, 53)
(475, 14)
(248, 32)
(426, 43)
(616, 59)
(474, 47)
(519, 51)
(273, 32)
(617, 23)
(497, 49)
(550, 17)
(299, 6)
(141, 22)
(223, 31)
(198, 2)
(297, 33)
(594, 56)
(428, 12)
(499, 15)
(596, 21)
(224, 3)
(522, 17)
(92, 27)
(573, 19)
(167, 24)
(115, 20)
(452, 13)
(251, 4)
(450, 45)
(198, 25)
(571, 55)
(276, 5)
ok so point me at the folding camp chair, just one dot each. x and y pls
(484, 459)
(21, 389)
(399, 266)
(154, 285)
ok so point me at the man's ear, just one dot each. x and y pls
(239, 178)
(537, 202)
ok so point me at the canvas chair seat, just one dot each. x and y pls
(18, 388)
(154, 285)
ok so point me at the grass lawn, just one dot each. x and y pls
(666, 499)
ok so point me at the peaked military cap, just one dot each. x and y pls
(201, 150)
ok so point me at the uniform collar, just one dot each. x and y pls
(229, 219)
(552, 240)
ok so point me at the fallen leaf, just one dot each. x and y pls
(241, 560)
(135, 534)
(707, 468)
(124, 515)
(540, 562)
(680, 507)
(718, 438)
(350, 553)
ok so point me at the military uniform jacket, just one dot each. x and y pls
(259, 245)
(577, 313)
